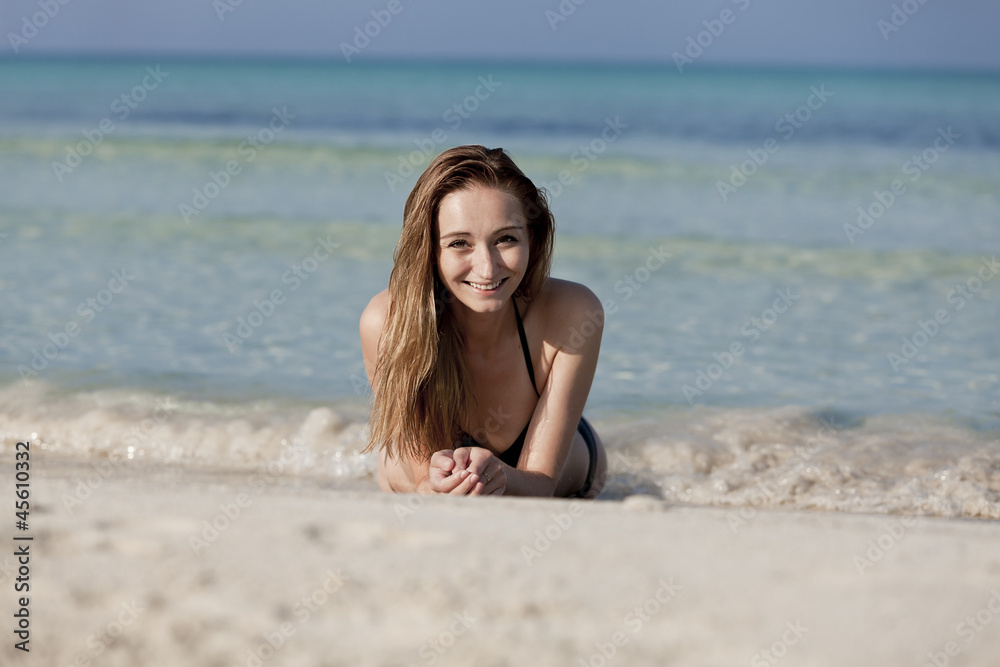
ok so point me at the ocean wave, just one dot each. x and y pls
(134, 429)
(802, 459)
(746, 460)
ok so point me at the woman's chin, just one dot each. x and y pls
(491, 305)
(482, 303)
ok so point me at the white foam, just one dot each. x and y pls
(139, 427)
(746, 459)
(794, 458)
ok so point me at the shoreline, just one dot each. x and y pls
(743, 460)
(305, 574)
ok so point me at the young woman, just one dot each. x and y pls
(479, 362)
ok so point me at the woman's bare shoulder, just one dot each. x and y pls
(373, 316)
(564, 297)
(566, 307)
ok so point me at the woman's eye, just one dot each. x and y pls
(505, 239)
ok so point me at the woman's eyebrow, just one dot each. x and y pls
(509, 227)
(495, 231)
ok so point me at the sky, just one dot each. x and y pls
(855, 33)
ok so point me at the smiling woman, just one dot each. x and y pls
(470, 296)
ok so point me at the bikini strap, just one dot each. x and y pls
(524, 347)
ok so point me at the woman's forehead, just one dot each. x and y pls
(479, 209)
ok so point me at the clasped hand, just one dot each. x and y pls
(467, 471)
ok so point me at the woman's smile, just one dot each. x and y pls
(487, 288)
(446, 337)
(482, 246)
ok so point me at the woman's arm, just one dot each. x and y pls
(573, 323)
(439, 474)
(435, 474)
(372, 322)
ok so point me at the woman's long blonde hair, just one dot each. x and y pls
(420, 376)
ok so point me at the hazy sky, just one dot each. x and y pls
(935, 33)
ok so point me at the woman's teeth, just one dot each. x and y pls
(488, 287)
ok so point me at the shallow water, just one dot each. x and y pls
(738, 321)
(746, 459)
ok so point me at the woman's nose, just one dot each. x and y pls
(484, 263)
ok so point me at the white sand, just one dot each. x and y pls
(450, 583)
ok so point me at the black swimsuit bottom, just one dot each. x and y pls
(511, 455)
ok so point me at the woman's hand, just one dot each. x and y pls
(446, 476)
(467, 471)
(486, 467)
(463, 472)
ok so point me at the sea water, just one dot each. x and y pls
(798, 267)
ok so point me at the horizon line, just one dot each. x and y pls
(335, 59)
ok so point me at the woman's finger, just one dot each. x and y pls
(462, 457)
(443, 459)
(494, 479)
(466, 486)
(447, 482)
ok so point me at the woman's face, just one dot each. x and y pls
(482, 248)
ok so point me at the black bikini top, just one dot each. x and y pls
(511, 455)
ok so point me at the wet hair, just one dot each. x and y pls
(421, 378)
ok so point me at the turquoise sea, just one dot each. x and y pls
(799, 266)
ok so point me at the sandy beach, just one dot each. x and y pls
(788, 215)
(177, 567)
